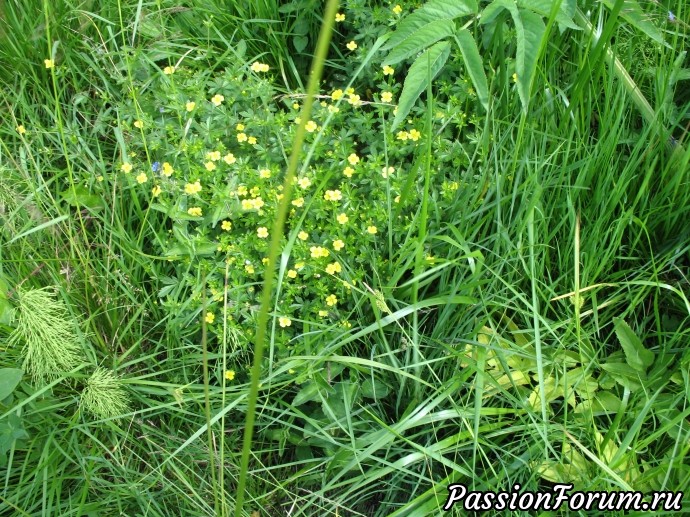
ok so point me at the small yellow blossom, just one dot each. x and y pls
(21, 129)
(210, 317)
(414, 135)
(126, 167)
(192, 188)
(318, 252)
(242, 190)
(372, 229)
(388, 70)
(229, 158)
(299, 202)
(386, 97)
(262, 232)
(239, 127)
(353, 159)
(138, 124)
(339, 17)
(195, 211)
(264, 174)
(167, 170)
(156, 191)
(323, 314)
(333, 109)
(342, 218)
(304, 183)
(397, 9)
(387, 171)
(142, 178)
(295, 105)
(333, 268)
(259, 67)
(49, 63)
(241, 137)
(337, 94)
(299, 265)
(397, 199)
(190, 105)
(254, 191)
(331, 300)
(348, 172)
(226, 226)
(349, 91)
(210, 166)
(310, 126)
(352, 45)
(333, 195)
(515, 78)
(402, 135)
(100, 178)
(214, 156)
(249, 269)
(303, 236)
(338, 245)
(217, 99)
(284, 322)
(169, 70)
(230, 375)
(292, 273)
(354, 99)
(251, 140)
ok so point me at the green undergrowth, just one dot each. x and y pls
(478, 296)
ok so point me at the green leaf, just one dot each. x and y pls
(430, 12)
(635, 16)
(530, 29)
(419, 39)
(79, 195)
(473, 63)
(9, 379)
(419, 76)
(564, 16)
(310, 391)
(374, 390)
(625, 375)
(491, 11)
(636, 355)
(300, 43)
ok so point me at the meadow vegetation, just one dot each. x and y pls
(300, 258)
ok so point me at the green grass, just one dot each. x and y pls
(491, 328)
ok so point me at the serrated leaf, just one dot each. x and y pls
(474, 65)
(419, 39)
(430, 12)
(530, 29)
(9, 379)
(636, 355)
(423, 70)
(635, 16)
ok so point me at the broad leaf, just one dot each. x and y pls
(419, 39)
(428, 13)
(564, 16)
(530, 29)
(422, 71)
(9, 379)
(635, 16)
(79, 195)
(636, 355)
(473, 63)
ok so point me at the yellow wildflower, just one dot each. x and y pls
(21, 129)
(298, 202)
(318, 252)
(262, 232)
(230, 375)
(190, 105)
(353, 159)
(241, 137)
(284, 322)
(333, 268)
(210, 166)
(348, 172)
(414, 135)
(192, 188)
(49, 63)
(337, 94)
(169, 70)
(351, 46)
(339, 17)
(372, 229)
(251, 140)
(386, 96)
(338, 245)
(142, 178)
(249, 269)
(195, 211)
(292, 273)
(229, 158)
(259, 67)
(138, 124)
(388, 70)
(126, 167)
(167, 170)
(304, 183)
(342, 218)
(210, 317)
(303, 236)
(217, 99)
(310, 126)
(226, 226)
(331, 300)
(397, 9)
(156, 191)
(402, 135)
